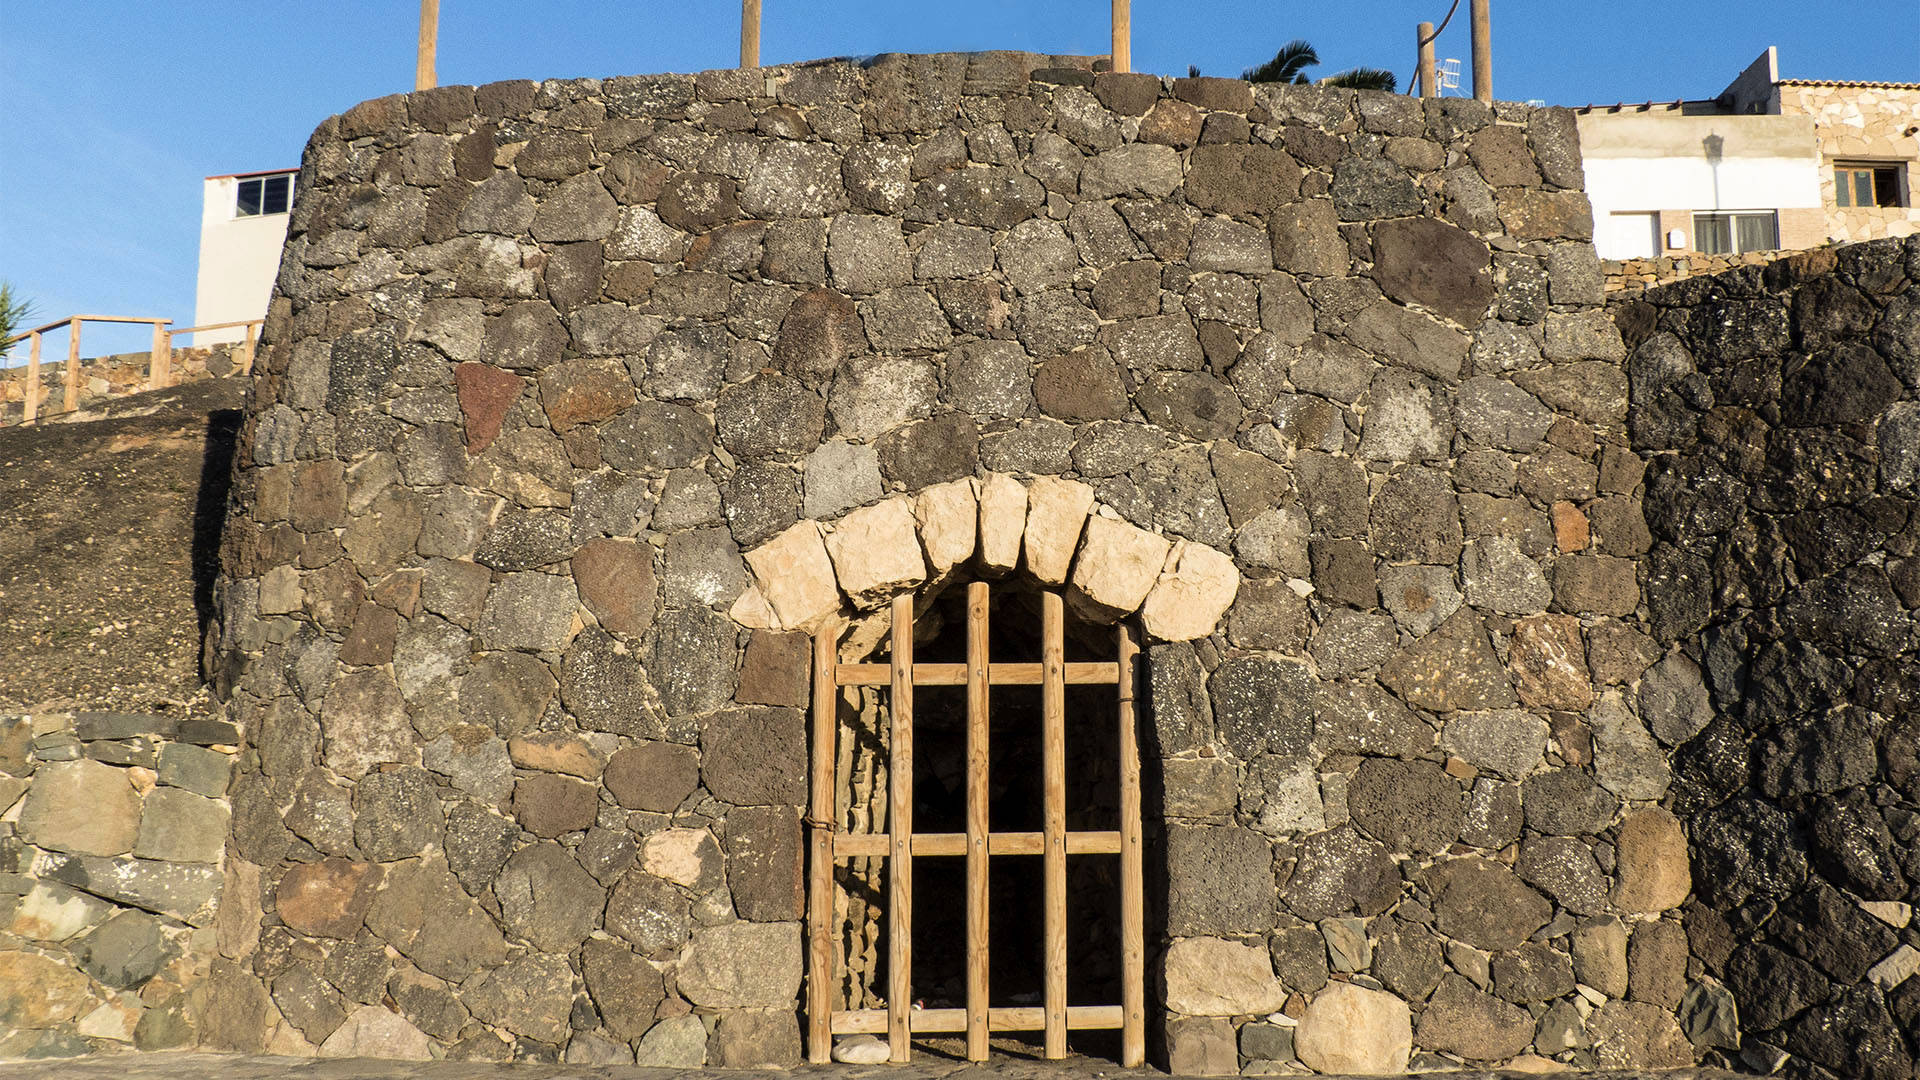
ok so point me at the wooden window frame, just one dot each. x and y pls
(900, 845)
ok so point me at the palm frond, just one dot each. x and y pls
(1362, 78)
(1287, 66)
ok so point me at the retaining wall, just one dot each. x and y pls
(112, 827)
(1780, 407)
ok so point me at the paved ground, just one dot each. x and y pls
(231, 1067)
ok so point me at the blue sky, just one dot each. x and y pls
(116, 110)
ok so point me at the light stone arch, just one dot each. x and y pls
(1051, 529)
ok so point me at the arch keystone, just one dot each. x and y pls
(1056, 511)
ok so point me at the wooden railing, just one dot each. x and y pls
(159, 367)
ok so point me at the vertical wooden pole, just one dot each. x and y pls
(1053, 757)
(160, 364)
(31, 407)
(1423, 39)
(977, 821)
(246, 362)
(900, 831)
(1123, 35)
(820, 819)
(1482, 51)
(73, 366)
(1133, 959)
(424, 76)
(749, 33)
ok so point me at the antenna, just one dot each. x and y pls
(1449, 72)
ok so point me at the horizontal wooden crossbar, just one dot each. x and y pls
(1018, 1018)
(1095, 672)
(874, 845)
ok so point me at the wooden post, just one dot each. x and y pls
(1133, 960)
(977, 821)
(31, 406)
(73, 366)
(1482, 51)
(424, 76)
(1123, 35)
(246, 362)
(820, 819)
(1423, 38)
(749, 33)
(1053, 757)
(160, 365)
(900, 831)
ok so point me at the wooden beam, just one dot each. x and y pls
(72, 396)
(1053, 755)
(900, 830)
(1133, 963)
(1018, 1018)
(978, 696)
(1122, 35)
(935, 845)
(424, 75)
(31, 407)
(820, 817)
(749, 33)
(1078, 673)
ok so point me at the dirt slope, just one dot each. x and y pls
(109, 537)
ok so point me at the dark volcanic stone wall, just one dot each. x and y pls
(564, 383)
(1780, 407)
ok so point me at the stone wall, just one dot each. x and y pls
(524, 746)
(103, 377)
(112, 828)
(1780, 407)
(1638, 275)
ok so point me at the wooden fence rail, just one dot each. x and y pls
(159, 365)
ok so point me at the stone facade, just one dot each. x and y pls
(580, 401)
(546, 359)
(1638, 275)
(112, 828)
(1858, 123)
(1780, 411)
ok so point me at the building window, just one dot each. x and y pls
(1736, 234)
(1867, 184)
(264, 195)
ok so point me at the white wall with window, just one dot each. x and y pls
(1721, 181)
(243, 225)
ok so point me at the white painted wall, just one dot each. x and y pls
(1646, 162)
(239, 258)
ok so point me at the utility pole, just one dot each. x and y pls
(1122, 35)
(749, 33)
(423, 73)
(1482, 52)
(1423, 39)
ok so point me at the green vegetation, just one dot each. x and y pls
(14, 314)
(1290, 65)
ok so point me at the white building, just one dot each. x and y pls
(1770, 163)
(243, 225)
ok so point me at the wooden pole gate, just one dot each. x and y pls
(900, 845)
